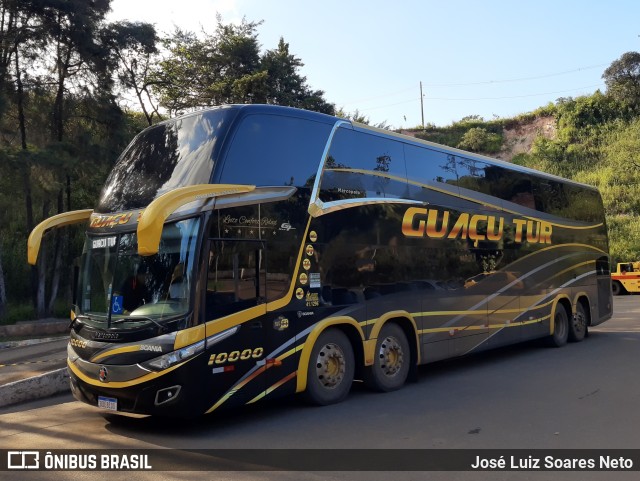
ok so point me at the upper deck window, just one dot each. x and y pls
(361, 151)
(275, 150)
(164, 157)
(363, 165)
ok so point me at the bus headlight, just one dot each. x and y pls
(167, 360)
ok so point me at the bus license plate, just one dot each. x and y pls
(109, 403)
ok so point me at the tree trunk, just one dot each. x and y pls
(58, 106)
(42, 272)
(20, 102)
(57, 265)
(26, 177)
(3, 292)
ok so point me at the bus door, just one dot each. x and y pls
(236, 286)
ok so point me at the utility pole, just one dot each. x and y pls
(422, 105)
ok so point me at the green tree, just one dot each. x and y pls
(622, 78)
(60, 127)
(73, 52)
(219, 68)
(132, 49)
(478, 139)
(285, 85)
(226, 67)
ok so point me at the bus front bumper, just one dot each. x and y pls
(134, 389)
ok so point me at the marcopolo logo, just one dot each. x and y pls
(23, 460)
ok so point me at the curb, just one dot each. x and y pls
(30, 342)
(37, 387)
(43, 327)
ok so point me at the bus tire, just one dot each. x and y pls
(391, 361)
(617, 288)
(331, 369)
(578, 325)
(560, 327)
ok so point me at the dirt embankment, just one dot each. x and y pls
(519, 139)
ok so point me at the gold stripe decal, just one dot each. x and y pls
(479, 311)
(113, 352)
(280, 383)
(470, 199)
(239, 386)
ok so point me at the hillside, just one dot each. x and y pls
(591, 139)
(517, 137)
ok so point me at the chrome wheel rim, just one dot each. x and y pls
(390, 356)
(330, 366)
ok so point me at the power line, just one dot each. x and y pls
(484, 98)
(520, 96)
(520, 79)
(484, 82)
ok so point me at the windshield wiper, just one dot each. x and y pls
(138, 318)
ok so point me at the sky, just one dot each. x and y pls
(492, 58)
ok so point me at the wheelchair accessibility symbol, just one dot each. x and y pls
(116, 305)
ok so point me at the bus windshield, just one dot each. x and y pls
(116, 285)
(166, 156)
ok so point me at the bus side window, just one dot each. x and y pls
(275, 150)
(363, 165)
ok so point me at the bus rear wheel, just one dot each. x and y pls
(391, 361)
(578, 325)
(331, 368)
(560, 327)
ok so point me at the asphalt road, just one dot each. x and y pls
(582, 396)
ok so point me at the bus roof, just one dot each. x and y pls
(247, 109)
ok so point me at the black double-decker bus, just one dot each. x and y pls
(249, 251)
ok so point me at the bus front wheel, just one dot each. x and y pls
(560, 327)
(391, 362)
(331, 368)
